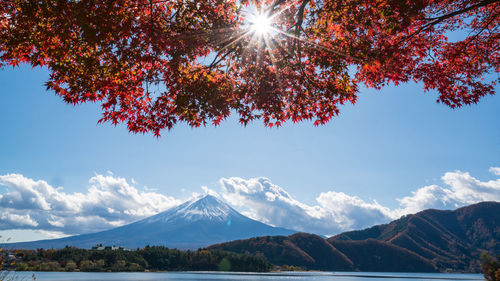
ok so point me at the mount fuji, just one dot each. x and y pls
(191, 225)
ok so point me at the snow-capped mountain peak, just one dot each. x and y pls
(206, 208)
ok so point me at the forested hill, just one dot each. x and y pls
(431, 240)
(310, 251)
(304, 250)
(450, 239)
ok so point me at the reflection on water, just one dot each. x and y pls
(214, 276)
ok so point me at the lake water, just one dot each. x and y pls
(215, 276)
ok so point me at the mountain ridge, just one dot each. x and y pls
(451, 238)
(428, 241)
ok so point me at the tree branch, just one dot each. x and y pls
(438, 20)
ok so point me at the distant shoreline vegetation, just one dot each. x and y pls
(154, 258)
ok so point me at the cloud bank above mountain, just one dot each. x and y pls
(269, 203)
(337, 211)
(112, 201)
(109, 202)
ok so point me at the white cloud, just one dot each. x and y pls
(56, 221)
(52, 234)
(109, 201)
(351, 212)
(495, 171)
(269, 203)
(432, 196)
(18, 220)
(209, 191)
(336, 211)
(463, 189)
(468, 189)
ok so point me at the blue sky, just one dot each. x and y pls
(388, 145)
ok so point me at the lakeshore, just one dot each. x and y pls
(237, 276)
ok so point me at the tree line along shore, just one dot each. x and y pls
(150, 258)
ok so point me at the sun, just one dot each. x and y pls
(261, 24)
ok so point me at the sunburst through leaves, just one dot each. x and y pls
(287, 60)
(261, 24)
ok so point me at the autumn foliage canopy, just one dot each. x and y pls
(154, 63)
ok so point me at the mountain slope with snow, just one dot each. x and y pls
(191, 225)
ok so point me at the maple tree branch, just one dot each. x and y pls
(150, 2)
(439, 19)
(277, 3)
(157, 80)
(298, 24)
(216, 61)
(483, 28)
(151, 23)
(296, 43)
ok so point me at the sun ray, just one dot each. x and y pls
(273, 62)
(232, 42)
(286, 7)
(316, 45)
